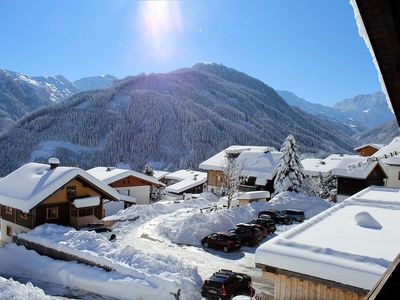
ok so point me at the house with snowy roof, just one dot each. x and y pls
(389, 157)
(133, 187)
(258, 166)
(340, 253)
(314, 167)
(37, 193)
(185, 182)
(351, 181)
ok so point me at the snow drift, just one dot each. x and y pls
(10, 289)
(190, 228)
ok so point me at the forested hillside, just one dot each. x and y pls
(171, 120)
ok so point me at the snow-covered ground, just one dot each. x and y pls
(10, 289)
(155, 254)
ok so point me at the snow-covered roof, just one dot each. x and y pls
(86, 202)
(254, 195)
(255, 161)
(159, 174)
(32, 183)
(127, 198)
(361, 172)
(186, 180)
(389, 150)
(185, 174)
(315, 166)
(376, 146)
(110, 175)
(351, 243)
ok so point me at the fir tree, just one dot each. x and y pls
(289, 175)
(148, 170)
(327, 184)
(232, 178)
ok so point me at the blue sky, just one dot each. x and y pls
(310, 47)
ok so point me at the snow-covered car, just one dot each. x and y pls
(266, 222)
(226, 284)
(222, 241)
(263, 230)
(249, 236)
(294, 214)
(277, 216)
(101, 229)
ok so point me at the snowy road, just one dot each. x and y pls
(146, 236)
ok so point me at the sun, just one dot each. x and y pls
(160, 24)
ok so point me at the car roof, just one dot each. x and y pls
(294, 210)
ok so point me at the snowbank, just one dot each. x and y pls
(192, 227)
(150, 276)
(147, 212)
(10, 289)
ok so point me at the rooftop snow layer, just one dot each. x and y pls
(185, 174)
(360, 172)
(86, 202)
(110, 175)
(159, 174)
(376, 146)
(254, 195)
(32, 183)
(389, 150)
(255, 161)
(344, 243)
(315, 166)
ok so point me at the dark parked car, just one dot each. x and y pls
(276, 216)
(266, 222)
(263, 230)
(226, 284)
(294, 214)
(101, 229)
(222, 241)
(249, 236)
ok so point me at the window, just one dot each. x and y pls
(23, 216)
(9, 230)
(52, 213)
(71, 192)
(9, 210)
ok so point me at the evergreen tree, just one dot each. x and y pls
(148, 170)
(289, 175)
(232, 178)
(327, 184)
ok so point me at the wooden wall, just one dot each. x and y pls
(130, 181)
(212, 178)
(288, 287)
(367, 151)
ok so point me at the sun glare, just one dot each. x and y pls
(160, 23)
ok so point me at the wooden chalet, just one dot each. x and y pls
(258, 166)
(338, 253)
(133, 187)
(36, 194)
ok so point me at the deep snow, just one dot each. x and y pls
(155, 254)
(10, 289)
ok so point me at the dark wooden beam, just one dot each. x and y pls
(381, 19)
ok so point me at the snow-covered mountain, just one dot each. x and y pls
(171, 120)
(382, 134)
(94, 82)
(21, 94)
(360, 112)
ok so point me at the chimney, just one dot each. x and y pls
(54, 162)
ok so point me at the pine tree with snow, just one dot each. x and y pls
(327, 184)
(290, 176)
(148, 170)
(232, 178)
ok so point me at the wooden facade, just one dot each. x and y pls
(366, 150)
(130, 181)
(292, 285)
(216, 179)
(58, 207)
(350, 186)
